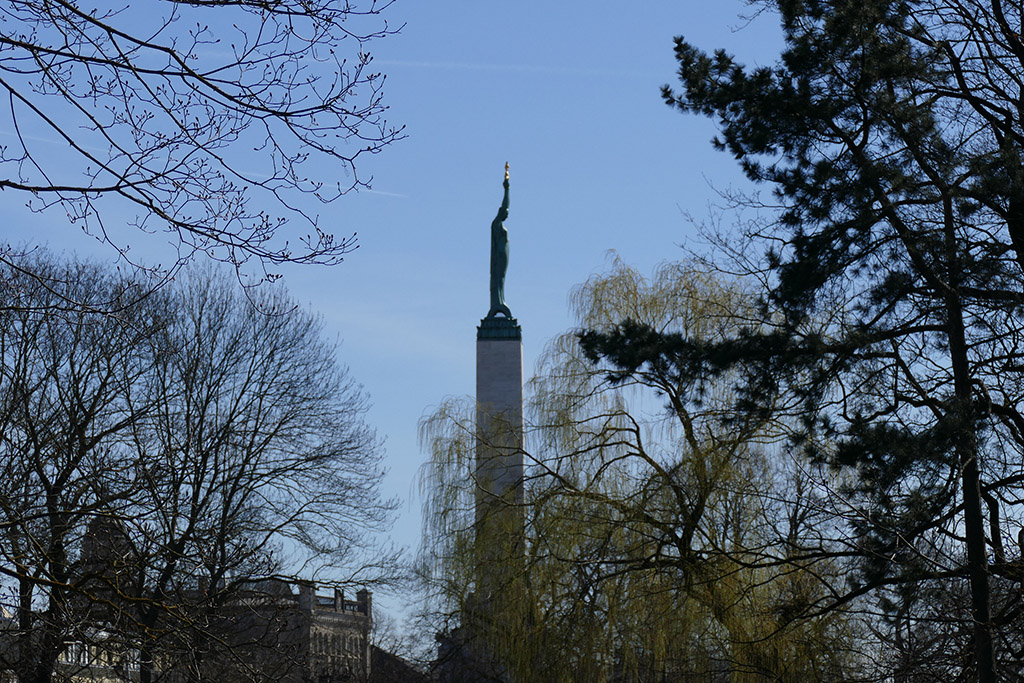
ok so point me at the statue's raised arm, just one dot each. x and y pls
(499, 256)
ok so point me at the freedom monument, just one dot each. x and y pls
(499, 428)
(467, 653)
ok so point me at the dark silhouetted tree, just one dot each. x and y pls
(168, 461)
(892, 135)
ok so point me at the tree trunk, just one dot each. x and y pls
(967, 459)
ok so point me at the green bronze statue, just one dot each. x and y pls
(499, 257)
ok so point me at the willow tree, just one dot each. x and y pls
(659, 521)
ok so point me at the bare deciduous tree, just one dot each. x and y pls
(169, 463)
(202, 118)
(70, 389)
(259, 465)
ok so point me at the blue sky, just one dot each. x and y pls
(568, 94)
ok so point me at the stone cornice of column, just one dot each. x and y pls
(496, 327)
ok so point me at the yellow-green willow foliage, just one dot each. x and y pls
(660, 524)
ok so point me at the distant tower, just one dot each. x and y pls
(499, 426)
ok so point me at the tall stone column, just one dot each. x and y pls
(499, 454)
